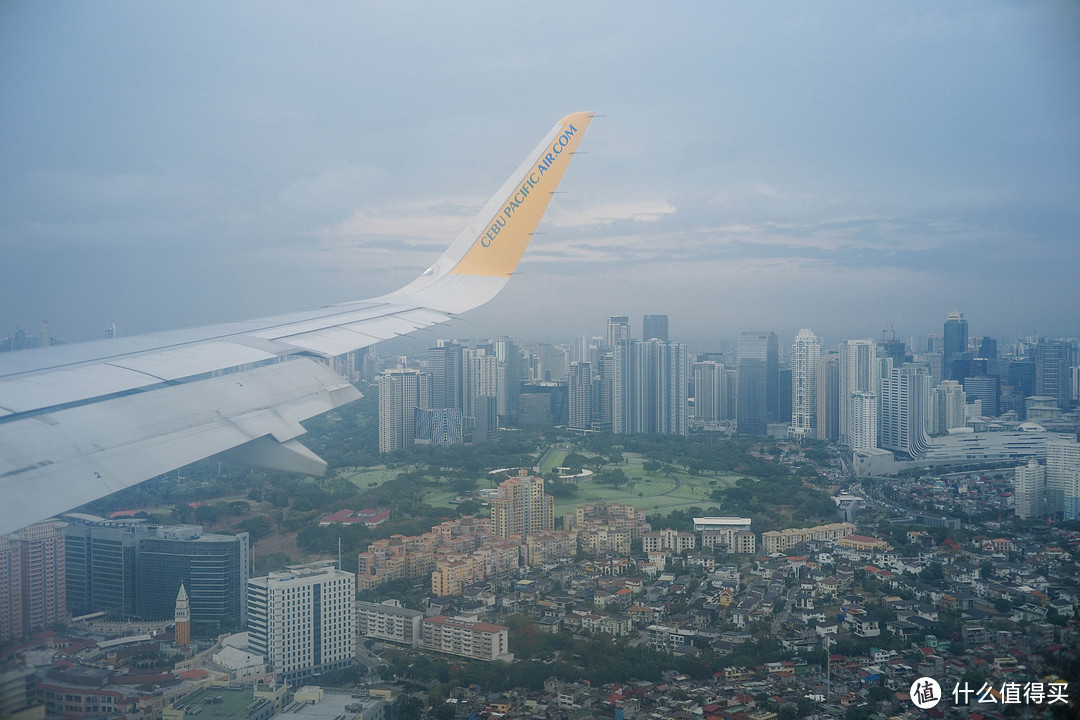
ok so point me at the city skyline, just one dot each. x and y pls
(917, 158)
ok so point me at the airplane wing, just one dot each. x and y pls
(78, 422)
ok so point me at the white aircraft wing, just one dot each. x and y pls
(78, 422)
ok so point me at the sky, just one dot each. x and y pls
(843, 166)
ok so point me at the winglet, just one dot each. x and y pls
(492, 243)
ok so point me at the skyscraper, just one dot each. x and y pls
(1052, 370)
(400, 392)
(905, 395)
(758, 357)
(828, 398)
(618, 328)
(860, 388)
(654, 327)
(956, 345)
(709, 387)
(581, 395)
(649, 388)
(805, 362)
(445, 367)
(301, 620)
(521, 507)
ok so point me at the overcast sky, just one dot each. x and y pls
(839, 166)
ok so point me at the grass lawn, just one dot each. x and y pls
(552, 459)
(656, 491)
(363, 480)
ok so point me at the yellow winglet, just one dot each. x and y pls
(509, 224)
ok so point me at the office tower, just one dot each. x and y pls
(301, 620)
(481, 378)
(11, 616)
(182, 618)
(618, 328)
(1063, 477)
(709, 387)
(905, 395)
(1052, 370)
(894, 349)
(44, 338)
(521, 507)
(1030, 490)
(213, 569)
(581, 396)
(111, 332)
(511, 373)
(947, 403)
(986, 388)
(445, 367)
(654, 327)
(758, 359)
(805, 363)
(543, 404)
(955, 345)
(42, 574)
(439, 426)
(649, 388)
(860, 372)
(101, 557)
(486, 421)
(828, 398)
(400, 392)
(731, 393)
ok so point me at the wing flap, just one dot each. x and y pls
(60, 460)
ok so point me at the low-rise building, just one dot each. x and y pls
(465, 638)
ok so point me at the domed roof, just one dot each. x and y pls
(1030, 427)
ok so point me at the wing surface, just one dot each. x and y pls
(78, 422)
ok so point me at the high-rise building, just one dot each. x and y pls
(11, 616)
(618, 328)
(862, 421)
(445, 367)
(1030, 490)
(654, 327)
(1063, 477)
(39, 579)
(987, 389)
(709, 387)
(956, 346)
(128, 568)
(302, 620)
(213, 568)
(521, 507)
(649, 388)
(860, 388)
(905, 396)
(400, 392)
(581, 395)
(828, 398)
(947, 403)
(511, 373)
(101, 557)
(1052, 370)
(439, 426)
(758, 358)
(805, 363)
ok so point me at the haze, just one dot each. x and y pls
(842, 166)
